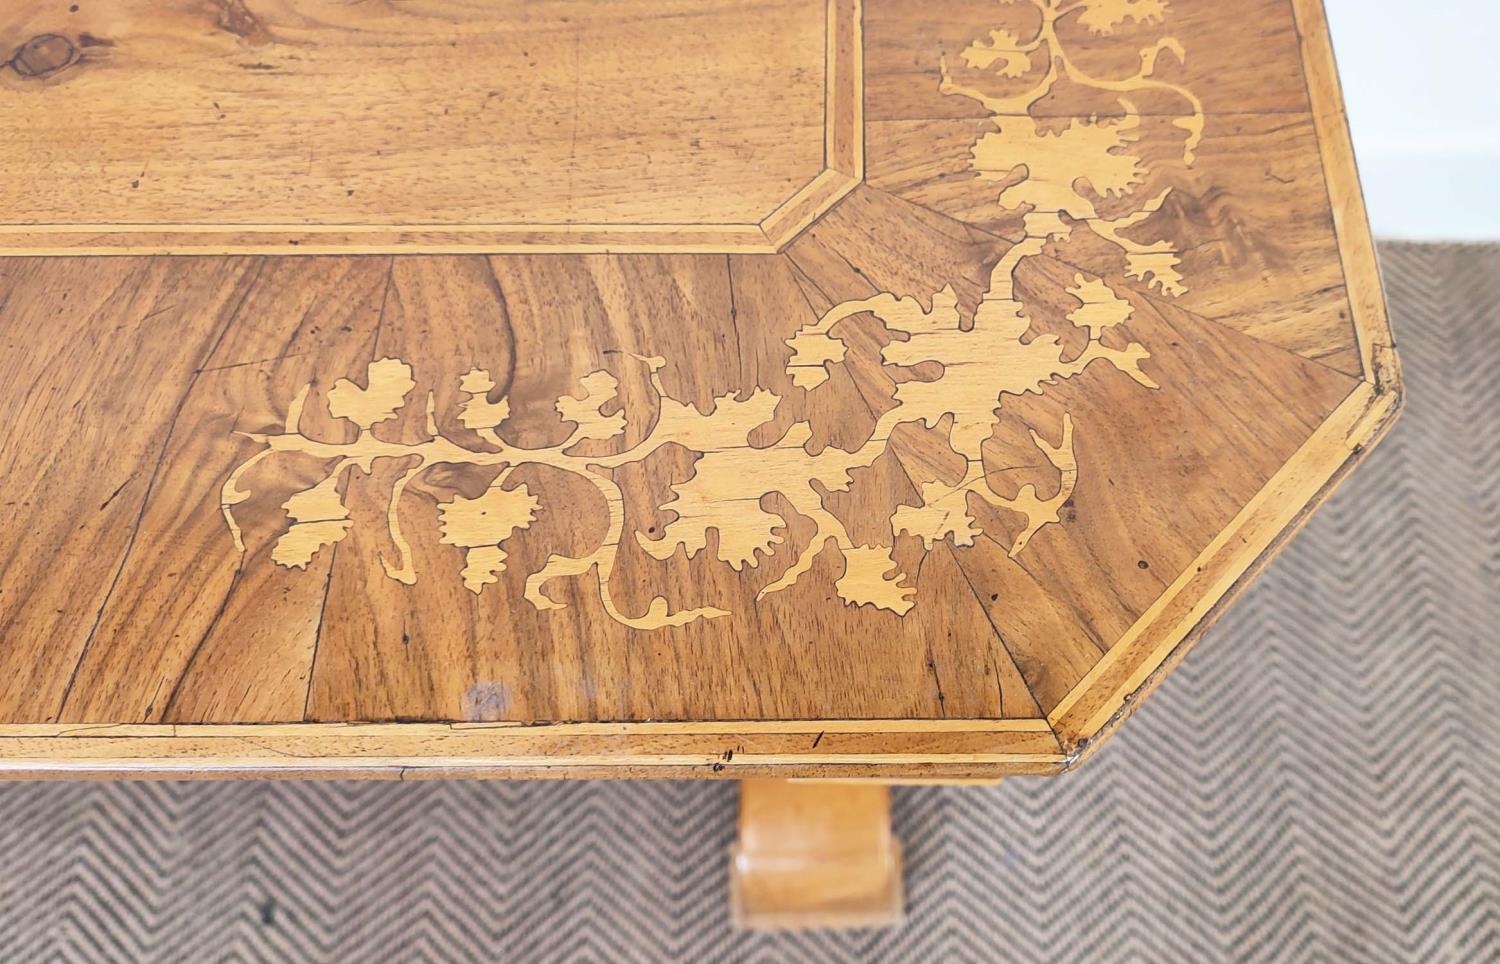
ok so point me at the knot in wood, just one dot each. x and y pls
(43, 55)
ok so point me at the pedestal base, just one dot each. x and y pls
(815, 855)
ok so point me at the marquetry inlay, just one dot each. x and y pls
(889, 388)
(976, 362)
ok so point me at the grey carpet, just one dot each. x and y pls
(1320, 781)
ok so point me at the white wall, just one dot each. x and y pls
(1422, 83)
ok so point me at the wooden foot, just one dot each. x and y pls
(815, 855)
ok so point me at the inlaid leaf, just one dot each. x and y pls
(387, 383)
(320, 519)
(812, 352)
(1158, 269)
(481, 525)
(1001, 52)
(482, 566)
(587, 410)
(872, 578)
(906, 316)
(1096, 152)
(705, 502)
(937, 520)
(478, 411)
(726, 425)
(488, 520)
(1105, 16)
(1101, 308)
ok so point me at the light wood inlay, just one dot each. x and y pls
(890, 390)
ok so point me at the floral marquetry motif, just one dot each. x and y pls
(855, 388)
(981, 359)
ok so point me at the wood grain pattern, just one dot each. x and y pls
(733, 750)
(451, 125)
(933, 476)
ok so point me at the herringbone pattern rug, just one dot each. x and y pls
(1320, 781)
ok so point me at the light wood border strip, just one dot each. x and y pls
(843, 170)
(804, 209)
(853, 727)
(810, 748)
(844, 114)
(105, 240)
(913, 774)
(1372, 327)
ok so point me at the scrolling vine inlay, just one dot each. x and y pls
(1052, 171)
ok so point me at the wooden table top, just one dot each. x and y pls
(893, 388)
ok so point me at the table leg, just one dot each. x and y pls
(815, 854)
